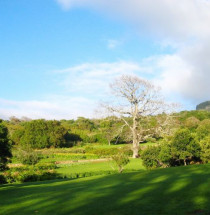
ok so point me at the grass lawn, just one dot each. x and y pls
(180, 190)
(134, 165)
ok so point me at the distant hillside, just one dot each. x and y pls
(203, 106)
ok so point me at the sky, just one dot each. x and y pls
(57, 57)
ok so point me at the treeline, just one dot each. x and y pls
(67, 133)
(188, 145)
(43, 133)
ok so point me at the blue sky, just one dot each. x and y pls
(57, 57)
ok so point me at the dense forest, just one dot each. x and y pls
(43, 133)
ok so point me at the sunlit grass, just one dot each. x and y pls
(172, 191)
(67, 169)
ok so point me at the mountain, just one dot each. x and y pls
(203, 106)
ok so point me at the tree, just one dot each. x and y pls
(205, 149)
(134, 100)
(43, 134)
(184, 146)
(121, 160)
(5, 152)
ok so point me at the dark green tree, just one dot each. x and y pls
(184, 146)
(43, 134)
(5, 149)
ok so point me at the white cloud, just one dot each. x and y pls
(82, 87)
(93, 78)
(172, 19)
(54, 107)
(177, 74)
(85, 85)
(186, 72)
(184, 25)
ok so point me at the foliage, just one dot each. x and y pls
(121, 160)
(68, 133)
(150, 157)
(184, 146)
(43, 134)
(28, 173)
(102, 152)
(192, 122)
(203, 129)
(205, 149)
(26, 155)
(164, 155)
(5, 149)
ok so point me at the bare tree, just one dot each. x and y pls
(135, 99)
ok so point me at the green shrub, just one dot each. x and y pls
(27, 155)
(151, 139)
(25, 173)
(165, 155)
(108, 151)
(45, 166)
(127, 150)
(102, 152)
(88, 174)
(150, 157)
(121, 160)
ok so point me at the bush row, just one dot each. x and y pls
(69, 156)
(88, 152)
(88, 174)
(107, 152)
(39, 172)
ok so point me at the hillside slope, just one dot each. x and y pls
(203, 106)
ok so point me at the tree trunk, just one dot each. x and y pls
(120, 169)
(135, 140)
(135, 151)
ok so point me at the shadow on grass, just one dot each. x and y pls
(182, 190)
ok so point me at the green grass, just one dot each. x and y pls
(68, 169)
(172, 191)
